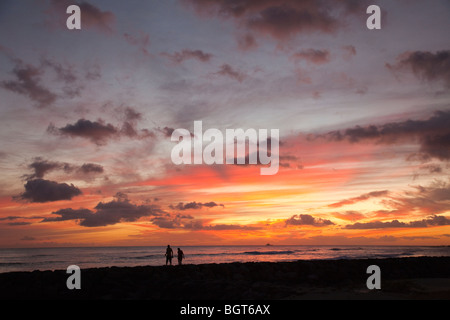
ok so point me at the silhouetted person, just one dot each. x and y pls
(180, 256)
(169, 255)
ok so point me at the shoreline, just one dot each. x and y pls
(401, 278)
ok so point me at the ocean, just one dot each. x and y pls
(30, 259)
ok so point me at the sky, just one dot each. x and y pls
(86, 119)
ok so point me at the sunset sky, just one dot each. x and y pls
(86, 118)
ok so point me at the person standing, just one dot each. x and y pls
(169, 255)
(180, 256)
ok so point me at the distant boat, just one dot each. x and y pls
(268, 244)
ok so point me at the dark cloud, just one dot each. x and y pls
(96, 131)
(166, 131)
(95, 18)
(194, 205)
(432, 221)
(313, 55)
(29, 80)
(28, 83)
(12, 218)
(307, 220)
(229, 71)
(432, 134)
(425, 65)
(87, 168)
(40, 190)
(289, 161)
(28, 238)
(109, 213)
(179, 57)
(363, 197)
(282, 19)
(100, 132)
(41, 167)
(131, 114)
(19, 223)
(92, 16)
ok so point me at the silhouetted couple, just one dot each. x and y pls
(169, 255)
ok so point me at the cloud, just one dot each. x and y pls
(171, 221)
(186, 54)
(28, 83)
(349, 215)
(363, 197)
(432, 221)
(313, 56)
(109, 213)
(61, 77)
(220, 227)
(247, 42)
(428, 200)
(40, 190)
(282, 19)
(64, 73)
(307, 220)
(425, 65)
(100, 132)
(166, 131)
(285, 20)
(91, 16)
(432, 134)
(12, 218)
(27, 238)
(131, 114)
(349, 51)
(41, 167)
(290, 161)
(88, 168)
(421, 200)
(229, 71)
(96, 131)
(187, 222)
(142, 42)
(194, 205)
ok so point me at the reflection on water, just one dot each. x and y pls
(61, 258)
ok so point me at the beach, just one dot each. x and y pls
(401, 278)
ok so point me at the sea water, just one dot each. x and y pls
(29, 259)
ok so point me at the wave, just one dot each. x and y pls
(268, 252)
(150, 256)
(147, 256)
(347, 249)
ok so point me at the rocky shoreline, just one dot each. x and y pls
(401, 278)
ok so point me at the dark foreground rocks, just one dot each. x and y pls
(401, 278)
